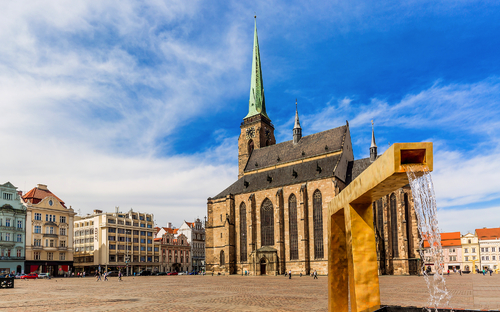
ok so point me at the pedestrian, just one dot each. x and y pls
(83, 273)
(460, 271)
(300, 274)
(315, 274)
(448, 271)
(97, 276)
(286, 273)
(290, 274)
(484, 272)
(119, 276)
(106, 276)
(491, 271)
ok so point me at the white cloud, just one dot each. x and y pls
(468, 220)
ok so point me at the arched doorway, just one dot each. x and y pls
(262, 266)
(176, 267)
(18, 270)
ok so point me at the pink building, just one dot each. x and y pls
(452, 252)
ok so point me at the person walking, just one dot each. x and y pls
(460, 271)
(315, 274)
(83, 273)
(290, 274)
(119, 276)
(97, 276)
(106, 276)
(491, 271)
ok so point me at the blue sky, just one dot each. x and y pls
(138, 104)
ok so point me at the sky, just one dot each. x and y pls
(137, 104)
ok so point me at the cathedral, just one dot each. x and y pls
(273, 219)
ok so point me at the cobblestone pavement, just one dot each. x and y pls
(228, 293)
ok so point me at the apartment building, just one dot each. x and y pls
(12, 230)
(49, 232)
(489, 245)
(471, 258)
(115, 241)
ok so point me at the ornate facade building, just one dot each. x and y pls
(175, 252)
(195, 233)
(274, 217)
(12, 230)
(49, 232)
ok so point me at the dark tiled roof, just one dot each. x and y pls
(355, 168)
(308, 146)
(306, 171)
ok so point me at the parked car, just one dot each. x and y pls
(44, 275)
(145, 273)
(173, 273)
(18, 276)
(30, 276)
(161, 273)
(182, 273)
(193, 273)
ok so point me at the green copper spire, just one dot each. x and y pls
(257, 102)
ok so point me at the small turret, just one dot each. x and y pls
(373, 147)
(297, 130)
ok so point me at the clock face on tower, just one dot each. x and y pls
(250, 133)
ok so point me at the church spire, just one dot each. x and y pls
(373, 147)
(297, 130)
(257, 102)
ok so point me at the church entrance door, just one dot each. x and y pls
(262, 267)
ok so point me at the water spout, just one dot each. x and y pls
(424, 200)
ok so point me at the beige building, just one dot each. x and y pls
(470, 252)
(49, 232)
(112, 241)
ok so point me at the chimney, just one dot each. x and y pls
(42, 187)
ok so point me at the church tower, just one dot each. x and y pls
(257, 131)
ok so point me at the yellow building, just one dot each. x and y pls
(470, 252)
(113, 240)
(49, 233)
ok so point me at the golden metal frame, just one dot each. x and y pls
(352, 258)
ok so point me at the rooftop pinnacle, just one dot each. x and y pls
(257, 102)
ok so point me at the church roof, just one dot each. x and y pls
(355, 168)
(309, 146)
(305, 171)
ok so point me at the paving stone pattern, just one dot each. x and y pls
(228, 293)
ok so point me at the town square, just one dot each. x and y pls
(179, 155)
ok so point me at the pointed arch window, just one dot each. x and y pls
(394, 225)
(222, 259)
(243, 232)
(292, 221)
(318, 225)
(267, 223)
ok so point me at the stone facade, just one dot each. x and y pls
(274, 217)
(397, 235)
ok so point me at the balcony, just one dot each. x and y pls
(11, 228)
(49, 235)
(36, 247)
(7, 243)
(63, 248)
(11, 258)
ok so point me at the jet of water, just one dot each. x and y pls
(426, 210)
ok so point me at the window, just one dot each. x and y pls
(318, 225)
(150, 234)
(121, 231)
(112, 258)
(136, 232)
(111, 238)
(18, 253)
(493, 258)
(222, 258)
(143, 233)
(150, 241)
(148, 219)
(62, 243)
(157, 249)
(62, 219)
(38, 216)
(150, 248)
(143, 259)
(469, 241)
(7, 196)
(482, 258)
(143, 225)
(267, 223)
(50, 256)
(136, 240)
(292, 221)
(51, 243)
(37, 242)
(492, 249)
(62, 231)
(466, 250)
(141, 218)
(143, 248)
(7, 222)
(36, 255)
(143, 241)
(51, 230)
(243, 232)
(136, 248)
(487, 257)
(19, 224)
(473, 257)
(394, 226)
(62, 256)
(121, 247)
(19, 238)
(150, 226)
(466, 258)
(112, 221)
(127, 222)
(111, 230)
(7, 237)
(112, 247)
(482, 249)
(452, 250)
(473, 250)
(486, 249)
